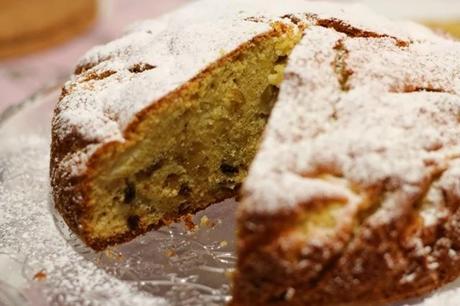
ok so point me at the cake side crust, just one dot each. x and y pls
(372, 171)
(71, 193)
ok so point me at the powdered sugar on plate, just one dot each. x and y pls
(42, 263)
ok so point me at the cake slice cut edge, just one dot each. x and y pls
(326, 218)
(189, 149)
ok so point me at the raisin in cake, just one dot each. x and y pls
(342, 127)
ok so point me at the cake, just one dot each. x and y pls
(29, 25)
(337, 128)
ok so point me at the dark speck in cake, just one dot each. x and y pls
(133, 222)
(184, 190)
(228, 169)
(129, 192)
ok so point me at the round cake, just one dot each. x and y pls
(337, 128)
(29, 25)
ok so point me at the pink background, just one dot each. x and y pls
(21, 77)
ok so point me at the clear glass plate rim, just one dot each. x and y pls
(14, 109)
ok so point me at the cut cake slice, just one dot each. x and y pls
(352, 194)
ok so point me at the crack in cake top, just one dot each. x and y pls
(112, 83)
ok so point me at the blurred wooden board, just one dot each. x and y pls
(30, 25)
(451, 27)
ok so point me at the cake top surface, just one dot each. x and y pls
(377, 115)
(114, 82)
(365, 132)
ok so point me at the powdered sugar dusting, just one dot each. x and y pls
(105, 94)
(28, 226)
(43, 263)
(368, 101)
(384, 117)
(388, 114)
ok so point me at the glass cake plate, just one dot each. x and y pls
(42, 263)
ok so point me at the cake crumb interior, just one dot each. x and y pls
(195, 149)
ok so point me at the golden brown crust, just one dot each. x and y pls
(377, 267)
(394, 252)
(375, 263)
(352, 31)
(70, 194)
